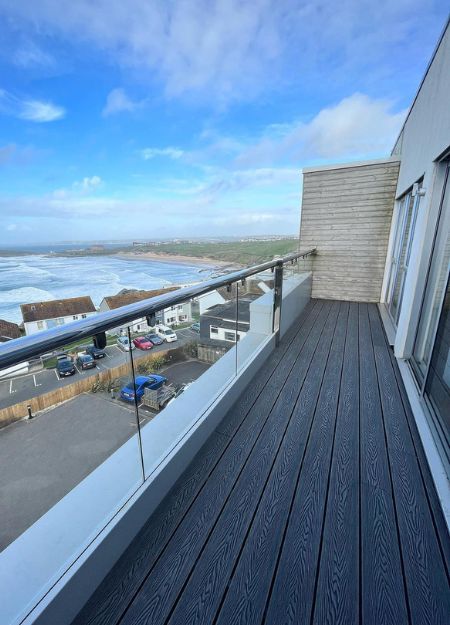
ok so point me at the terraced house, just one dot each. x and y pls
(303, 478)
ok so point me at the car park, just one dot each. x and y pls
(85, 361)
(196, 327)
(95, 352)
(154, 338)
(124, 343)
(166, 333)
(153, 382)
(142, 342)
(65, 367)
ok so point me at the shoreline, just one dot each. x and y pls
(175, 259)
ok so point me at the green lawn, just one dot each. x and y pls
(233, 252)
(240, 252)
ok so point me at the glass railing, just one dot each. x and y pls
(95, 408)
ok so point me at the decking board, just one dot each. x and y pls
(162, 587)
(113, 596)
(225, 544)
(311, 503)
(383, 599)
(337, 595)
(292, 595)
(426, 580)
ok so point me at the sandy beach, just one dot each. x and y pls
(175, 258)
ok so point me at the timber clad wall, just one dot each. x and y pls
(346, 215)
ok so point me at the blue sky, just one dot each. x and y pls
(193, 117)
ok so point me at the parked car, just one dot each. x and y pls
(123, 343)
(166, 333)
(95, 352)
(142, 382)
(196, 327)
(142, 342)
(154, 338)
(85, 361)
(65, 366)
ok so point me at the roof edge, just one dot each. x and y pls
(430, 63)
(350, 165)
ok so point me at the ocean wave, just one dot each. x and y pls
(26, 295)
(39, 278)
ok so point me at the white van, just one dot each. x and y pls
(166, 333)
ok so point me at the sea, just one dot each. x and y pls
(39, 277)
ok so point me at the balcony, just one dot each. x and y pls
(288, 484)
(311, 502)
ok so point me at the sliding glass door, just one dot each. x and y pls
(437, 386)
(431, 354)
(406, 222)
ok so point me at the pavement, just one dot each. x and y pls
(24, 387)
(42, 459)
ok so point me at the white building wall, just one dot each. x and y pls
(427, 129)
(180, 313)
(424, 139)
(208, 300)
(222, 334)
(32, 327)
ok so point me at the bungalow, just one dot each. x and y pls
(39, 316)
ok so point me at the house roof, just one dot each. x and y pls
(9, 330)
(38, 311)
(130, 296)
(228, 310)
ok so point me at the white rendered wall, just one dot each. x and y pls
(31, 327)
(425, 137)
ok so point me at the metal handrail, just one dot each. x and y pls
(22, 349)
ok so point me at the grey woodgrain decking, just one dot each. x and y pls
(312, 503)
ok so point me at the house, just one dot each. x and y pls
(8, 331)
(218, 323)
(201, 303)
(39, 316)
(181, 313)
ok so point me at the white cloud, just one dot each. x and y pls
(229, 49)
(36, 111)
(29, 55)
(221, 48)
(170, 152)
(118, 101)
(225, 181)
(11, 227)
(86, 186)
(30, 110)
(357, 127)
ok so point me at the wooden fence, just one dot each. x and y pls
(47, 400)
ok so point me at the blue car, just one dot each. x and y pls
(142, 382)
(154, 338)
